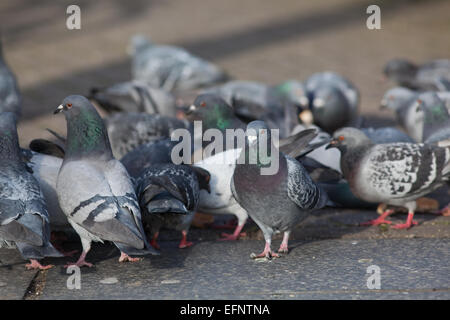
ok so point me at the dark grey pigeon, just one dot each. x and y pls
(169, 196)
(333, 101)
(436, 118)
(386, 135)
(146, 155)
(127, 131)
(94, 189)
(433, 75)
(24, 220)
(171, 68)
(134, 96)
(276, 202)
(10, 99)
(394, 173)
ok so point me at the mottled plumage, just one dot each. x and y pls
(24, 220)
(10, 98)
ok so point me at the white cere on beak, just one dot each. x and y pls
(304, 101)
(306, 117)
(318, 103)
(192, 108)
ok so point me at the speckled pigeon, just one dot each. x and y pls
(169, 196)
(433, 75)
(10, 99)
(395, 173)
(24, 220)
(134, 96)
(94, 189)
(127, 131)
(333, 101)
(278, 200)
(170, 67)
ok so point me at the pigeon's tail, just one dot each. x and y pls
(38, 252)
(165, 203)
(136, 252)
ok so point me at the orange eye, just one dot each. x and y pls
(203, 104)
(341, 138)
(69, 105)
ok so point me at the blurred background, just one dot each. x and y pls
(262, 40)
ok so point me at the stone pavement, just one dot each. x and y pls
(261, 40)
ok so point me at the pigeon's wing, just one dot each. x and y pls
(404, 169)
(301, 189)
(47, 147)
(89, 200)
(294, 145)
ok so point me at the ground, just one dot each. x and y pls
(268, 41)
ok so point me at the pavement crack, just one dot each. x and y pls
(36, 287)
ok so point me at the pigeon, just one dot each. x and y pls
(10, 98)
(134, 96)
(386, 135)
(393, 173)
(169, 196)
(294, 92)
(436, 118)
(333, 102)
(277, 200)
(94, 189)
(170, 67)
(24, 219)
(433, 75)
(146, 155)
(129, 130)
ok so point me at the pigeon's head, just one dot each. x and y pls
(137, 43)
(295, 92)
(73, 106)
(396, 98)
(257, 130)
(434, 109)
(210, 108)
(330, 108)
(349, 138)
(399, 69)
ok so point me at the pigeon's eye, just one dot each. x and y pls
(203, 104)
(341, 138)
(69, 105)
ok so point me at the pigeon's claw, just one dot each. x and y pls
(36, 265)
(236, 234)
(184, 243)
(283, 248)
(267, 253)
(81, 262)
(154, 241)
(408, 224)
(126, 258)
(380, 220)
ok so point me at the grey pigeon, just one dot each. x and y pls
(10, 99)
(276, 202)
(146, 155)
(333, 101)
(433, 75)
(129, 130)
(24, 220)
(94, 189)
(394, 173)
(170, 67)
(386, 135)
(169, 196)
(436, 118)
(134, 96)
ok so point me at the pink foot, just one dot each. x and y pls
(267, 253)
(36, 265)
(283, 248)
(236, 234)
(184, 243)
(446, 211)
(81, 262)
(380, 220)
(154, 242)
(124, 258)
(408, 224)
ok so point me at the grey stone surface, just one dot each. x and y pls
(14, 278)
(324, 269)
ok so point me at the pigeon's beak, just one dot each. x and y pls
(306, 117)
(333, 144)
(383, 104)
(191, 109)
(59, 109)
